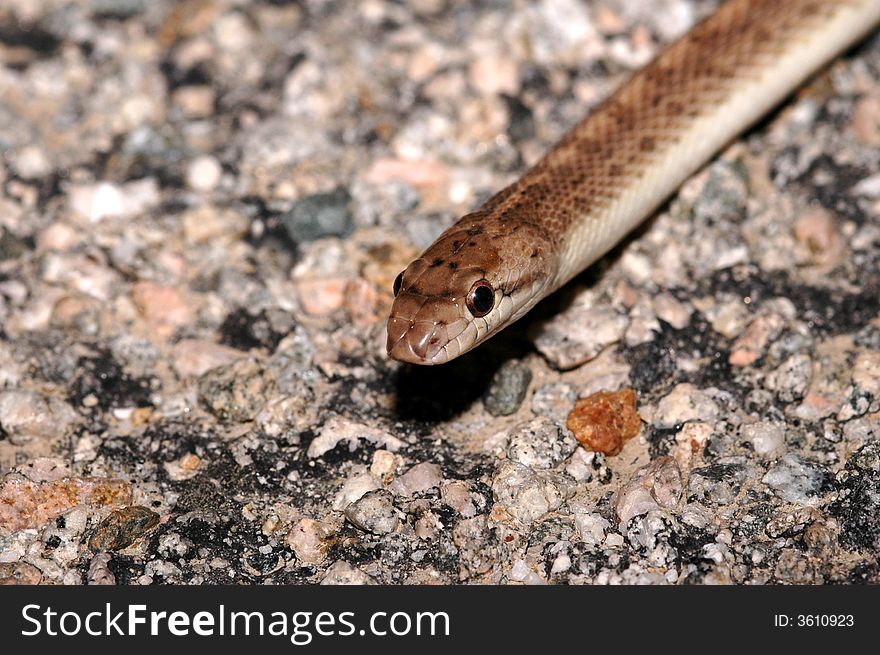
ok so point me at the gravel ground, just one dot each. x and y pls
(203, 205)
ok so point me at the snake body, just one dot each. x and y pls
(613, 170)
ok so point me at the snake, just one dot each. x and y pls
(613, 170)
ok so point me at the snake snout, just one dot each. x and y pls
(415, 342)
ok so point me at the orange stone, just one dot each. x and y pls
(605, 420)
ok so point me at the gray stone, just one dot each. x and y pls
(527, 494)
(796, 480)
(320, 215)
(540, 443)
(507, 389)
(579, 333)
(554, 400)
(374, 512)
(792, 378)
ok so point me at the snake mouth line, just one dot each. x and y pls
(415, 342)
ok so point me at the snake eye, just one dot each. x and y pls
(480, 299)
(395, 288)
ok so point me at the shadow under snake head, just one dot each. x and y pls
(461, 291)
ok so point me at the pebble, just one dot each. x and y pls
(343, 573)
(728, 319)
(866, 120)
(554, 400)
(192, 358)
(636, 266)
(790, 521)
(693, 436)
(579, 333)
(338, 429)
(310, 539)
(684, 403)
(99, 572)
(792, 378)
(643, 325)
(521, 572)
(45, 469)
(322, 296)
(862, 430)
(494, 74)
(212, 225)
(508, 388)
(354, 487)
(374, 512)
(163, 307)
(58, 236)
(28, 504)
(196, 101)
(539, 444)
(320, 215)
(19, 573)
(606, 420)
(457, 495)
(796, 480)
(793, 568)
(384, 464)
(203, 173)
(695, 515)
(184, 468)
(608, 372)
(235, 392)
(858, 506)
(632, 501)
(561, 564)
(288, 416)
(818, 231)
(866, 374)
(419, 174)
(30, 162)
(26, 416)
(417, 480)
(673, 311)
(581, 465)
(752, 344)
(95, 202)
(868, 187)
(591, 526)
(527, 495)
(122, 528)
(558, 31)
(766, 437)
(659, 484)
(614, 540)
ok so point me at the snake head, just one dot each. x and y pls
(472, 282)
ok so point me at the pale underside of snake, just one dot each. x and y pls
(613, 170)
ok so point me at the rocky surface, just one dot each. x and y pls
(203, 206)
